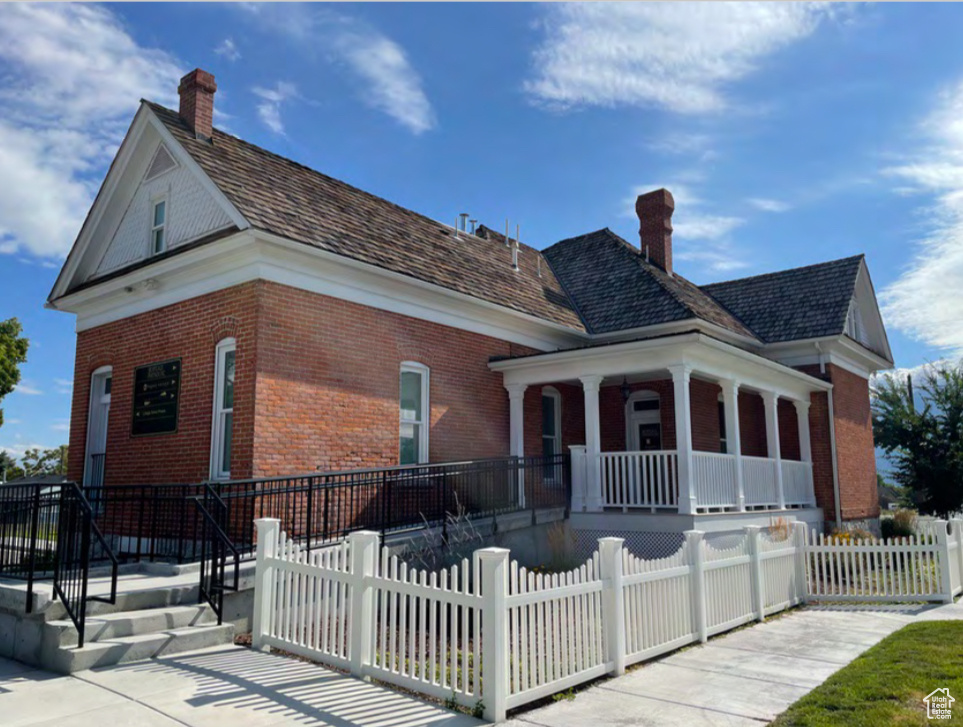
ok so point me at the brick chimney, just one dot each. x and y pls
(655, 227)
(197, 101)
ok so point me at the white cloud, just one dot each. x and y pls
(24, 388)
(389, 83)
(925, 300)
(72, 78)
(393, 85)
(64, 386)
(61, 425)
(269, 109)
(679, 56)
(769, 205)
(228, 49)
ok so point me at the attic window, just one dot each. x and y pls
(158, 238)
(162, 162)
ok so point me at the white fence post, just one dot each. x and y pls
(268, 532)
(958, 530)
(363, 553)
(493, 563)
(694, 541)
(943, 548)
(754, 533)
(613, 602)
(800, 537)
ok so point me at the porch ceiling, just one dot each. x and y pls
(706, 357)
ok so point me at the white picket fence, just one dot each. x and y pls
(490, 631)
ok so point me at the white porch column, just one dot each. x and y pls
(516, 425)
(593, 441)
(516, 433)
(730, 403)
(771, 401)
(805, 444)
(683, 437)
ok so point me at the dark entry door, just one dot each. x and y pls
(650, 437)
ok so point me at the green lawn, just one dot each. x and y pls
(886, 685)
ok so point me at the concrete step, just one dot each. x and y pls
(151, 597)
(139, 647)
(132, 623)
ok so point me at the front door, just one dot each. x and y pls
(644, 422)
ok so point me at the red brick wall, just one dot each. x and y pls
(573, 417)
(752, 425)
(855, 456)
(788, 430)
(189, 331)
(328, 385)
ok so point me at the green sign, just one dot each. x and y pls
(156, 393)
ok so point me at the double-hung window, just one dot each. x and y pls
(413, 433)
(158, 224)
(223, 410)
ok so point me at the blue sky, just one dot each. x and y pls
(789, 133)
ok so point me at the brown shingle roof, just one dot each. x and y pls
(280, 196)
(615, 289)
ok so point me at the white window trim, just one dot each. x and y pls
(97, 375)
(153, 228)
(223, 347)
(554, 393)
(631, 417)
(425, 373)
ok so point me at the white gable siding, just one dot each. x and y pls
(191, 213)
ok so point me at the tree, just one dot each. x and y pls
(46, 461)
(10, 469)
(13, 353)
(924, 438)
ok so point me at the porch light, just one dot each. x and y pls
(626, 390)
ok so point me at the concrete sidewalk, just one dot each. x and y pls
(744, 678)
(227, 685)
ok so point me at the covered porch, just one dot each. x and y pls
(681, 425)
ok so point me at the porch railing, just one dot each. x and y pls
(652, 481)
(759, 474)
(797, 482)
(714, 478)
(648, 480)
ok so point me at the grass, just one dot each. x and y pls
(886, 685)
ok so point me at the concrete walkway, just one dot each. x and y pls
(230, 686)
(744, 678)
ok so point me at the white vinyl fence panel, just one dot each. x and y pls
(489, 631)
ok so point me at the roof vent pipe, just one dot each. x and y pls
(463, 222)
(474, 225)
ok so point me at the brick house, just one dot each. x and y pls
(240, 316)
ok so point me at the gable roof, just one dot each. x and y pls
(792, 305)
(283, 197)
(614, 288)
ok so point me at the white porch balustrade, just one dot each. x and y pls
(652, 480)
(797, 482)
(633, 480)
(762, 486)
(714, 478)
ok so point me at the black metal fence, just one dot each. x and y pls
(322, 507)
(29, 518)
(60, 531)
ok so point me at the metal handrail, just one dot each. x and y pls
(214, 592)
